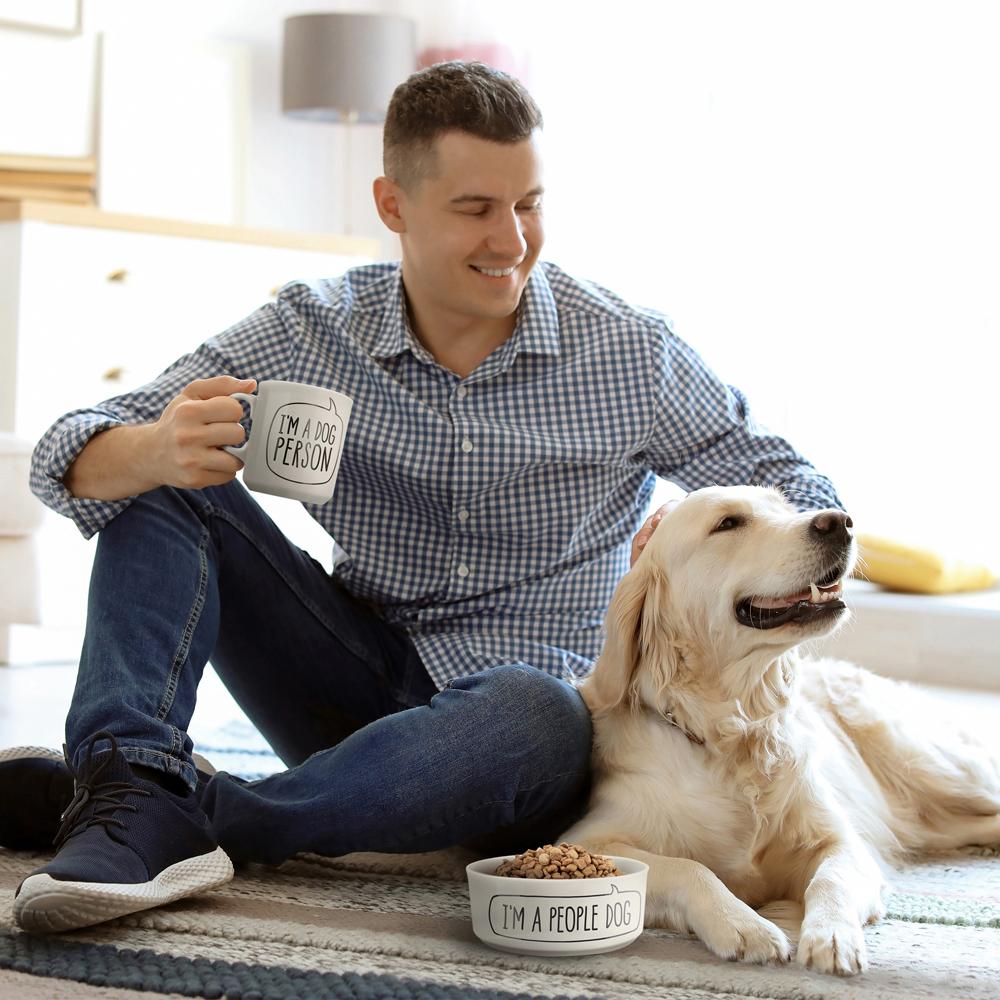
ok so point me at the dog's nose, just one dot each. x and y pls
(831, 527)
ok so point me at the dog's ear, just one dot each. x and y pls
(637, 634)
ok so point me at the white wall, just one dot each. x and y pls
(811, 191)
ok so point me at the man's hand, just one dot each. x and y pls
(180, 449)
(186, 441)
(645, 533)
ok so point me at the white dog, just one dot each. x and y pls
(744, 775)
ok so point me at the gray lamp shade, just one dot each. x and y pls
(344, 67)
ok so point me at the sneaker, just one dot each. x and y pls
(125, 844)
(36, 788)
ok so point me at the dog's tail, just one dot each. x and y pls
(942, 783)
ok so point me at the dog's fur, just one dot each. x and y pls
(748, 777)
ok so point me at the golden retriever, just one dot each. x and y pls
(744, 774)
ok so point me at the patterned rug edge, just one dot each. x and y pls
(153, 972)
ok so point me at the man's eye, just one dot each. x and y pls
(534, 207)
(728, 523)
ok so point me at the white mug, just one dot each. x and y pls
(296, 439)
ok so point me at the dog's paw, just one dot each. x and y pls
(739, 934)
(875, 912)
(833, 948)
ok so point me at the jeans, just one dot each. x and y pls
(378, 759)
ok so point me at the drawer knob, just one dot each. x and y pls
(119, 274)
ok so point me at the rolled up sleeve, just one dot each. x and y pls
(259, 347)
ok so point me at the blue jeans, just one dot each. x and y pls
(378, 759)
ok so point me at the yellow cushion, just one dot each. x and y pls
(900, 566)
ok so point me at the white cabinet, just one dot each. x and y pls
(93, 304)
(90, 311)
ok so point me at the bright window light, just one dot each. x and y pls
(811, 192)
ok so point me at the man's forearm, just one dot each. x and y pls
(114, 465)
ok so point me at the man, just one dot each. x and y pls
(507, 423)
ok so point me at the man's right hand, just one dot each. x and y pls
(645, 533)
(186, 442)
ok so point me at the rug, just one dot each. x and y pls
(397, 926)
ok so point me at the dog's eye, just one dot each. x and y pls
(728, 523)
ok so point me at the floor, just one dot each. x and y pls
(35, 693)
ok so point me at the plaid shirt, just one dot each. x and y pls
(490, 516)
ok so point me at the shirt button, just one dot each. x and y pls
(462, 570)
(462, 392)
(463, 515)
(467, 445)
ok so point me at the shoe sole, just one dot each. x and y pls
(20, 753)
(44, 904)
(47, 753)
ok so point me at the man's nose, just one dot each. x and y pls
(507, 237)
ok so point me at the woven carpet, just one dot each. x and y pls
(397, 926)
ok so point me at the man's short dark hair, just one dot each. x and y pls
(452, 96)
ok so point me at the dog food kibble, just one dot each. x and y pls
(564, 861)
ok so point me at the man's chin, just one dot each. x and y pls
(497, 303)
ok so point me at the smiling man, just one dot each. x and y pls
(507, 426)
(470, 225)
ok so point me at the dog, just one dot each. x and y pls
(756, 782)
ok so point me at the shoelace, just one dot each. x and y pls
(107, 797)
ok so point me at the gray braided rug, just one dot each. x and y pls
(397, 926)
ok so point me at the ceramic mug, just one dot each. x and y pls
(296, 439)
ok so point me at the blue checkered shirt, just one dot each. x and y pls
(489, 516)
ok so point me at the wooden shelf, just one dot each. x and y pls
(82, 215)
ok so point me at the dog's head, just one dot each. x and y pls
(731, 578)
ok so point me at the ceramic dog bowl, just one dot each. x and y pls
(536, 916)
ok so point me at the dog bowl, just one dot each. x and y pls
(540, 916)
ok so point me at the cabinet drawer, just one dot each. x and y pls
(101, 311)
(104, 311)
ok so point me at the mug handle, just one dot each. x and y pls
(240, 450)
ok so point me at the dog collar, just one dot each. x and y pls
(670, 718)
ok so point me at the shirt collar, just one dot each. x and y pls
(394, 335)
(536, 332)
(538, 323)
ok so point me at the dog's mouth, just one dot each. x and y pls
(820, 600)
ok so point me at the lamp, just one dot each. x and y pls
(344, 67)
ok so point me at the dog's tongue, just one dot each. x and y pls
(770, 603)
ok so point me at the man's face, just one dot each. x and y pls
(472, 228)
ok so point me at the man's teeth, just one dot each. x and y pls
(494, 273)
(832, 593)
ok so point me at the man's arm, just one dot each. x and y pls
(162, 433)
(702, 434)
(182, 448)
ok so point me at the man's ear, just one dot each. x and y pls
(387, 203)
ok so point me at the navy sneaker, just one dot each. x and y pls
(36, 788)
(126, 844)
